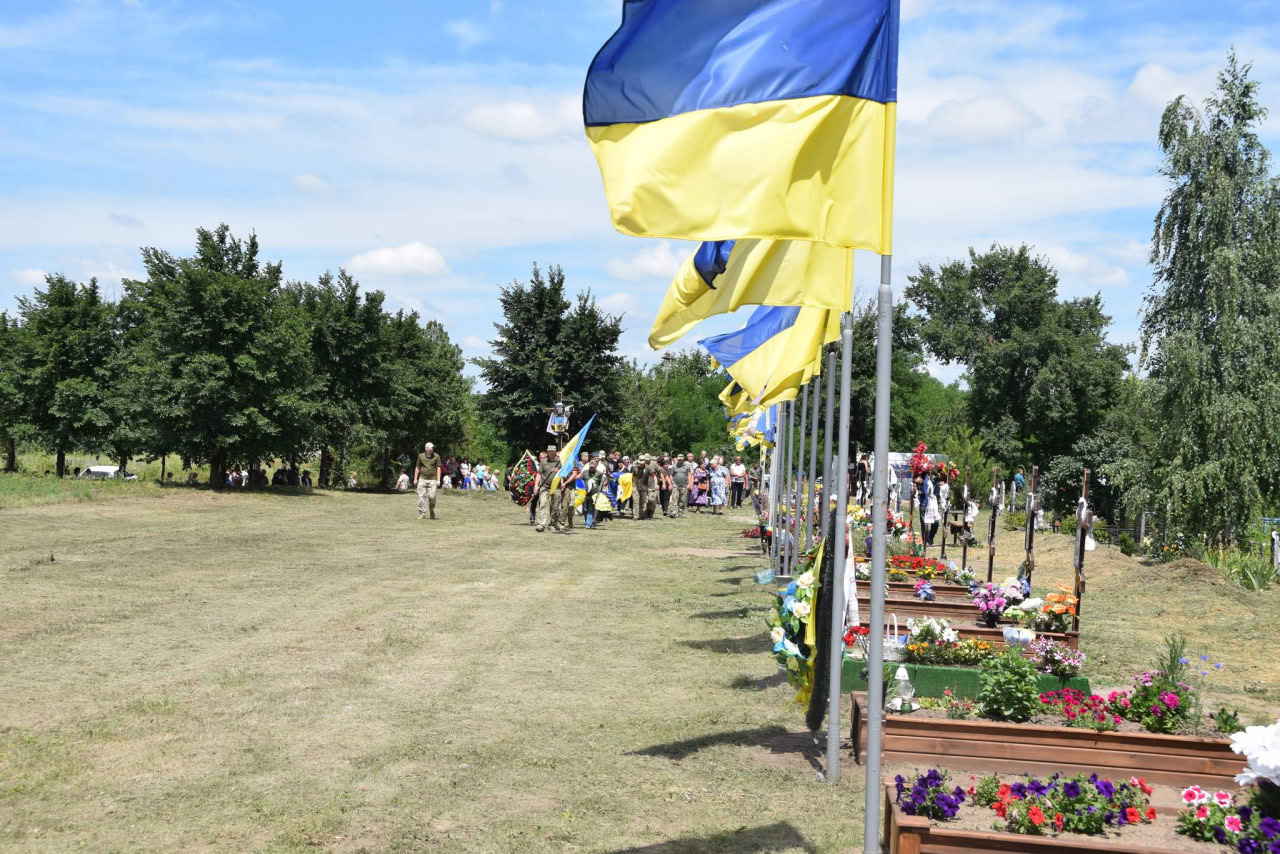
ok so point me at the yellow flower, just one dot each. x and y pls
(805, 581)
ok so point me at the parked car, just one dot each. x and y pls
(106, 473)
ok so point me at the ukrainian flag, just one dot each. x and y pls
(725, 274)
(779, 350)
(569, 456)
(719, 119)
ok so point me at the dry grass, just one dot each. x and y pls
(265, 672)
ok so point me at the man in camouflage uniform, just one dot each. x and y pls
(639, 486)
(568, 493)
(542, 488)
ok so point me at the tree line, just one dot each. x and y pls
(216, 358)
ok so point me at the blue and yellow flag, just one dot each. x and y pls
(713, 120)
(725, 274)
(569, 457)
(779, 350)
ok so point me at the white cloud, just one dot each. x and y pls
(412, 259)
(1089, 268)
(475, 342)
(523, 121)
(621, 302)
(657, 261)
(984, 119)
(914, 8)
(125, 220)
(29, 276)
(310, 182)
(467, 32)
(1157, 84)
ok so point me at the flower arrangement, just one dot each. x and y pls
(924, 590)
(928, 796)
(1058, 609)
(929, 640)
(1078, 804)
(1092, 712)
(752, 533)
(970, 652)
(1056, 658)
(1215, 817)
(921, 567)
(896, 574)
(990, 602)
(920, 462)
(958, 575)
(945, 470)
(788, 622)
(859, 637)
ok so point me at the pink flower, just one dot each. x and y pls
(1223, 799)
(1202, 813)
(1195, 795)
(1232, 823)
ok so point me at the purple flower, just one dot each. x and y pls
(1071, 789)
(1220, 835)
(899, 783)
(1245, 814)
(1248, 846)
(1217, 666)
(1108, 817)
(1037, 787)
(1105, 788)
(1270, 827)
(1274, 847)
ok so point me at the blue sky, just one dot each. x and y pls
(435, 148)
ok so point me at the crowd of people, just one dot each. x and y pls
(609, 485)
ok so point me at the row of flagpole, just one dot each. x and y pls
(684, 153)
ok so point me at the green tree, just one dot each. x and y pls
(67, 333)
(1211, 323)
(228, 355)
(429, 395)
(1040, 371)
(967, 451)
(907, 380)
(547, 344)
(10, 398)
(351, 372)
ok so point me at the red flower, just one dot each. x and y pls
(1037, 817)
(1131, 815)
(1142, 784)
(999, 807)
(1004, 792)
(1151, 813)
(1057, 820)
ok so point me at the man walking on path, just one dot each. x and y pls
(427, 477)
(737, 482)
(639, 487)
(542, 488)
(680, 472)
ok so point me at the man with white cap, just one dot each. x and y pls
(426, 475)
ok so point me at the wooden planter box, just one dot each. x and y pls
(941, 588)
(1173, 760)
(966, 630)
(912, 834)
(947, 608)
(930, 680)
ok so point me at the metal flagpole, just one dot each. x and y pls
(827, 481)
(875, 668)
(773, 488)
(786, 492)
(788, 506)
(810, 515)
(804, 428)
(836, 663)
(779, 436)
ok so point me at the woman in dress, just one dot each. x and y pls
(719, 476)
(698, 493)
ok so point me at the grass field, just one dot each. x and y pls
(187, 671)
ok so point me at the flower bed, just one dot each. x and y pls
(914, 834)
(1015, 748)
(975, 632)
(932, 680)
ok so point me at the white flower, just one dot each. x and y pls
(1261, 744)
(801, 609)
(805, 581)
(950, 635)
(1032, 604)
(777, 634)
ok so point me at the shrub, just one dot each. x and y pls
(1015, 521)
(1008, 690)
(987, 791)
(1250, 571)
(1126, 544)
(1068, 525)
(1227, 721)
(1100, 532)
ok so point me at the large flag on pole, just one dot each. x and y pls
(723, 275)
(569, 456)
(777, 351)
(719, 119)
